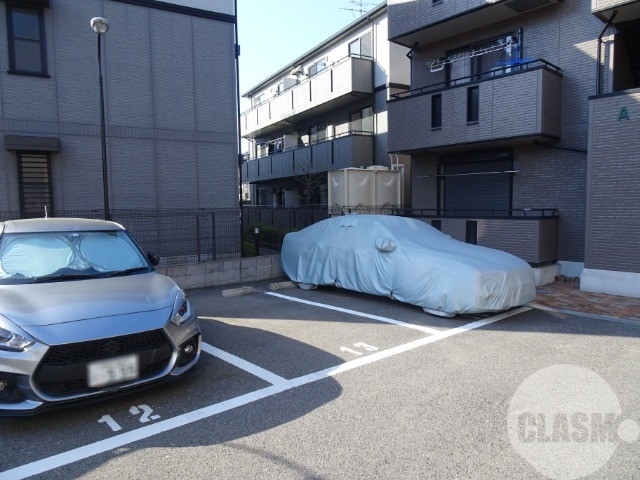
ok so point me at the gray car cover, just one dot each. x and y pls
(408, 260)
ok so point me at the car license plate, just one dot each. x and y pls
(114, 370)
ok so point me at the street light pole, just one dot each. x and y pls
(100, 26)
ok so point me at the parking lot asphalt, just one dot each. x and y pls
(335, 384)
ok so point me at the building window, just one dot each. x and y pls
(317, 133)
(25, 30)
(259, 99)
(361, 47)
(482, 60)
(473, 104)
(34, 178)
(318, 66)
(362, 120)
(436, 112)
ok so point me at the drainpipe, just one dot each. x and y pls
(521, 43)
(599, 54)
(374, 49)
(239, 124)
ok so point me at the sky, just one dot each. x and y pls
(273, 33)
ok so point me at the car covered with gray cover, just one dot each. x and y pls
(407, 260)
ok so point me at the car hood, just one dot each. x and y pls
(57, 303)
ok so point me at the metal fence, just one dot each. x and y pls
(193, 236)
(284, 218)
(178, 236)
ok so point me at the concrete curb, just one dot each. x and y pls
(236, 292)
(281, 285)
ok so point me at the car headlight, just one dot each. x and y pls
(182, 311)
(12, 337)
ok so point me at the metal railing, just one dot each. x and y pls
(328, 138)
(528, 213)
(284, 218)
(305, 79)
(512, 68)
(177, 236)
(194, 236)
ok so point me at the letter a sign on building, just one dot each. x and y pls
(624, 114)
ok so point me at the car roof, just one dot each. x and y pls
(31, 225)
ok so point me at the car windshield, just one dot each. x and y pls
(61, 256)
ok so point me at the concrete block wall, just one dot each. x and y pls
(224, 272)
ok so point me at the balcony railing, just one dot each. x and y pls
(531, 234)
(351, 149)
(352, 75)
(517, 103)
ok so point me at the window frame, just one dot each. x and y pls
(357, 119)
(473, 65)
(473, 104)
(318, 66)
(363, 40)
(25, 211)
(317, 133)
(436, 111)
(11, 9)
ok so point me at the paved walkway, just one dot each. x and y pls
(564, 296)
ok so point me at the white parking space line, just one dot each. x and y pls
(119, 440)
(255, 370)
(432, 331)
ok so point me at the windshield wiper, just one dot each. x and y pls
(128, 271)
(65, 277)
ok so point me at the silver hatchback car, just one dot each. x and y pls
(83, 314)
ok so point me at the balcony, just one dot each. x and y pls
(627, 9)
(421, 22)
(328, 89)
(354, 149)
(514, 107)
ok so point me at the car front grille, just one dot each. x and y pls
(63, 370)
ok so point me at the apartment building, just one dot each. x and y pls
(324, 111)
(522, 122)
(170, 105)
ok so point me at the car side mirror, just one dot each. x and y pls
(153, 258)
(385, 245)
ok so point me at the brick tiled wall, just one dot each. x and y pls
(564, 34)
(613, 224)
(170, 110)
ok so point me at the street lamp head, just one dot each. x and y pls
(99, 25)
